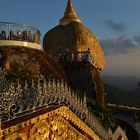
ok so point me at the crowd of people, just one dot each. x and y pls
(21, 36)
(76, 56)
(72, 56)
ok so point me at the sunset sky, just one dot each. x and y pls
(116, 23)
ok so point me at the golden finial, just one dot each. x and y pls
(69, 15)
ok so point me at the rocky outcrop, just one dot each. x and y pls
(19, 59)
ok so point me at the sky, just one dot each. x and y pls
(116, 23)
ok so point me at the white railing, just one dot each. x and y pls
(19, 32)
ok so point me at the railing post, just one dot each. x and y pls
(109, 134)
(0, 129)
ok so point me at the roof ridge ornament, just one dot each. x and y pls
(69, 15)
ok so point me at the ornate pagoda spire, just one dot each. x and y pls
(69, 15)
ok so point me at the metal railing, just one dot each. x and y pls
(16, 99)
(76, 56)
(19, 32)
(124, 107)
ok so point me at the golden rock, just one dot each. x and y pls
(73, 35)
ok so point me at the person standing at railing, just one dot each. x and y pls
(79, 56)
(67, 55)
(19, 35)
(3, 35)
(1, 62)
(76, 56)
(30, 36)
(83, 58)
(24, 35)
(72, 56)
(12, 36)
(87, 55)
(36, 37)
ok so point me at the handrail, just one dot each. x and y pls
(124, 107)
(23, 25)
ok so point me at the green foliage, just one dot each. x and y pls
(20, 75)
(104, 114)
(79, 94)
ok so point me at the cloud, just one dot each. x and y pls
(137, 39)
(118, 27)
(118, 45)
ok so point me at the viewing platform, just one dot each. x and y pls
(13, 34)
(76, 57)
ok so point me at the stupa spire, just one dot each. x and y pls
(69, 15)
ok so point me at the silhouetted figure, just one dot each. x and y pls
(67, 55)
(24, 35)
(3, 35)
(12, 36)
(1, 62)
(30, 36)
(87, 55)
(36, 38)
(72, 56)
(78, 55)
(19, 35)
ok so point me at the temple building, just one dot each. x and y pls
(54, 91)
